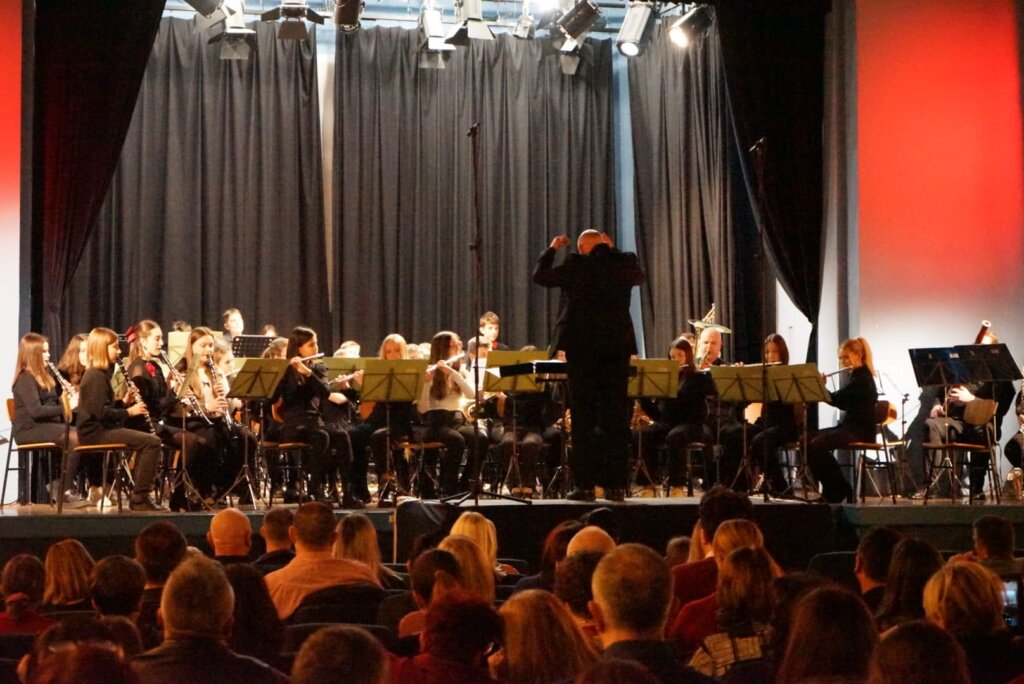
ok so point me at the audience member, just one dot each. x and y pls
(475, 571)
(124, 633)
(72, 630)
(84, 663)
(913, 563)
(918, 652)
(677, 551)
(116, 586)
(543, 644)
(590, 538)
(871, 564)
(786, 593)
(605, 518)
(966, 600)
(197, 608)
(22, 583)
(230, 536)
(274, 531)
(632, 592)
(434, 573)
(256, 630)
(831, 639)
(460, 632)
(573, 581)
(615, 671)
(993, 546)
(481, 530)
(159, 548)
(341, 653)
(553, 552)
(357, 540)
(314, 566)
(68, 566)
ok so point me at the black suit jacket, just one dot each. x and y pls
(596, 290)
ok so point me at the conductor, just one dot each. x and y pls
(596, 333)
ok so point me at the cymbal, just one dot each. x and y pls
(700, 326)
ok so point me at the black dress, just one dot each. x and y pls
(857, 398)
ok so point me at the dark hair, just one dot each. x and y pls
(23, 580)
(554, 548)
(423, 573)
(786, 592)
(573, 580)
(918, 652)
(913, 563)
(124, 633)
(875, 551)
(605, 518)
(83, 663)
(423, 543)
(74, 629)
(117, 584)
(276, 522)
(780, 342)
(314, 524)
(440, 350)
(461, 627)
(720, 504)
(340, 653)
(159, 548)
(744, 591)
(684, 345)
(995, 533)
(257, 630)
(299, 336)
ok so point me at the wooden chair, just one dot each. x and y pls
(289, 458)
(882, 460)
(950, 457)
(32, 451)
(413, 451)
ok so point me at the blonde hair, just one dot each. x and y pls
(396, 339)
(542, 641)
(357, 540)
(477, 573)
(965, 599)
(68, 567)
(196, 334)
(30, 360)
(96, 349)
(481, 530)
(738, 534)
(860, 347)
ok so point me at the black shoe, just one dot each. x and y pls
(617, 495)
(581, 494)
(146, 504)
(351, 502)
(291, 496)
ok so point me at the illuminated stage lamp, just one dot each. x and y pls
(636, 28)
(691, 26)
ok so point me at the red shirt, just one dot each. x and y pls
(33, 623)
(694, 581)
(695, 622)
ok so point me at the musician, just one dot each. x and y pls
(443, 391)
(38, 410)
(596, 331)
(102, 421)
(857, 399)
(777, 424)
(490, 326)
(277, 349)
(234, 324)
(72, 363)
(301, 393)
(679, 420)
(1014, 449)
(709, 348)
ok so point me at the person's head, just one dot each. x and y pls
(573, 582)
(33, 353)
(632, 593)
(181, 326)
(434, 572)
(125, 633)
(275, 526)
(918, 652)
(349, 349)
(786, 593)
(444, 345)
(478, 351)
(481, 530)
(832, 636)
(681, 352)
(199, 347)
(744, 589)
(965, 599)
(68, 566)
(709, 345)
(158, 549)
(776, 350)
(116, 585)
(590, 538)
(856, 352)
(302, 341)
(606, 518)
(341, 653)
(462, 628)
(490, 325)
(233, 322)
(197, 601)
(475, 570)
(874, 554)
(277, 349)
(542, 641)
(677, 551)
(102, 348)
(589, 239)
(84, 663)
(230, 533)
(312, 529)
(223, 358)
(736, 534)
(146, 340)
(22, 582)
(556, 545)
(393, 348)
(76, 356)
(268, 330)
(357, 540)
(993, 537)
(718, 505)
(256, 629)
(66, 634)
(913, 563)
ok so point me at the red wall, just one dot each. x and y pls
(10, 118)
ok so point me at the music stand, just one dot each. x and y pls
(512, 386)
(654, 379)
(177, 340)
(257, 380)
(799, 384)
(744, 385)
(183, 478)
(391, 382)
(250, 346)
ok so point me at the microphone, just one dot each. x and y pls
(471, 133)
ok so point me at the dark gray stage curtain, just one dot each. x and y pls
(218, 198)
(404, 180)
(686, 217)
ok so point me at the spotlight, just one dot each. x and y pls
(237, 41)
(433, 48)
(575, 23)
(294, 13)
(691, 26)
(470, 23)
(525, 26)
(209, 13)
(347, 13)
(636, 28)
(569, 63)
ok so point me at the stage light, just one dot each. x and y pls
(575, 23)
(295, 14)
(525, 26)
(636, 28)
(347, 14)
(469, 16)
(569, 63)
(237, 41)
(691, 26)
(433, 47)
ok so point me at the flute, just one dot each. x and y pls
(431, 369)
(68, 388)
(189, 396)
(844, 369)
(137, 396)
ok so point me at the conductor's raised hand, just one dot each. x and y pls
(560, 242)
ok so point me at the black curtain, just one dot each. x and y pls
(694, 231)
(404, 180)
(89, 60)
(774, 55)
(218, 198)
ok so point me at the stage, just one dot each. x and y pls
(794, 531)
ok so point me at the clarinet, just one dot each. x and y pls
(68, 388)
(193, 402)
(217, 378)
(134, 391)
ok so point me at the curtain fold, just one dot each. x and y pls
(89, 63)
(217, 200)
(404, 180)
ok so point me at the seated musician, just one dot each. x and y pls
(857, 399)
(525, 417)
(777, 424)
(234, 324)
(72, 363)
(490, 326)
(679, 420)
(1014, 449)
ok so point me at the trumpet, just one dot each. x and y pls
(68, 388)
(133, 389)
(190, 396)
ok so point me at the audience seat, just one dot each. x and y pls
(394, 608)
(15, 645)
(355, 603)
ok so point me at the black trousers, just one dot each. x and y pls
(600, 418)
(823, 464)
(450, 428)
(147, 449)
(330, 452)
(943, 429)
